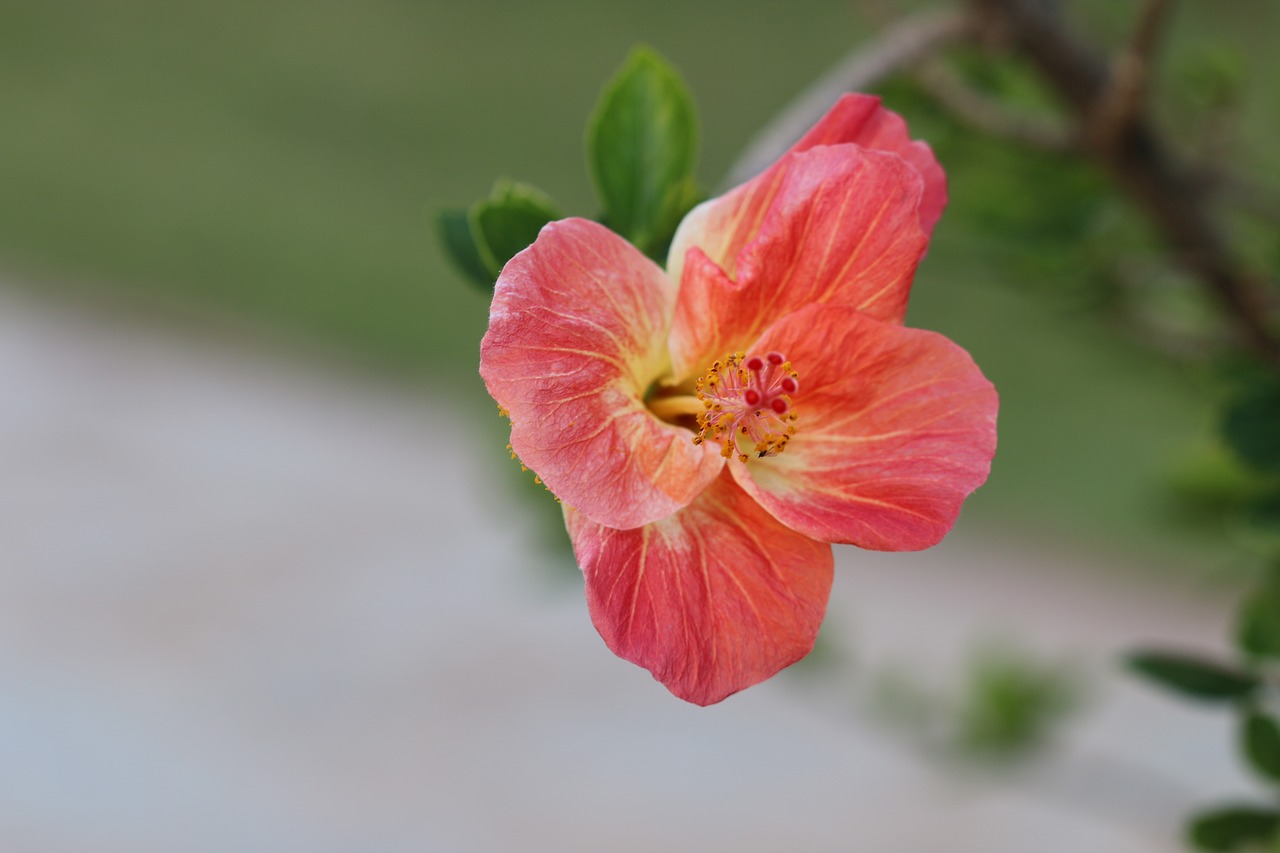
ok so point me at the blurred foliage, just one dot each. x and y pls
(1258, 621)
(1260, 739)
(1005, 709)
(1248, 687)
(1234, 828)
(1195, 677)
(1251, 426)
(1012, 703)
(1250, 429)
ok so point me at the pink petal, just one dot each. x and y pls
(715, 598)
(840, 226)
(722, 226)
(861, 119)
(577, 332)
(895, 428)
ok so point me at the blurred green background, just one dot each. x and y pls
(276, 164)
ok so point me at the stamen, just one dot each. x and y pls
(523, 467)
(747, 405)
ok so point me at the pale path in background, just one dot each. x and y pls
(248, 606)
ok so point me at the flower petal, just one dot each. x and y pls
(715, 598)
(861, 119)
(840, 227)
(722, 226)
(577, 332)
(895, 428)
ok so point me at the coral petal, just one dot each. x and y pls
(840, 227)
(715, 598)
(577, 332)
(896, 427)
(862, 120)
(722, 226)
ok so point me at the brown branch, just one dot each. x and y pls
(1122, 100)
(1139, 160)
(897, 47)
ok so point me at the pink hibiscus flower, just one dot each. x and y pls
(712, 428)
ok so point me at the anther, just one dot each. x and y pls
(746, 398)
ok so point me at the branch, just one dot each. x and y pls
(1139, 160)
(1122, 101)
(897, 47)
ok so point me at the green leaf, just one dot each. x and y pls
(1233, 827)
(460, 245)
(1193, 677)
(1258, 621)
(1260, 737)
(1251, 426)
(642, 141)
(508, 221)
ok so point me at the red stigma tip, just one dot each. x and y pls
(776, 358)
(779, 405)
(789, 385)
(751, 396)
(756, 364)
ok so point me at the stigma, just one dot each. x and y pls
(747, 405)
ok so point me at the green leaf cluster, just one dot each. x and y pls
(1248, 687)
(1250, 427)
(641, 147)
(481, 240)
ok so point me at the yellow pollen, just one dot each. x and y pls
(523, 467)
(748, 399)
